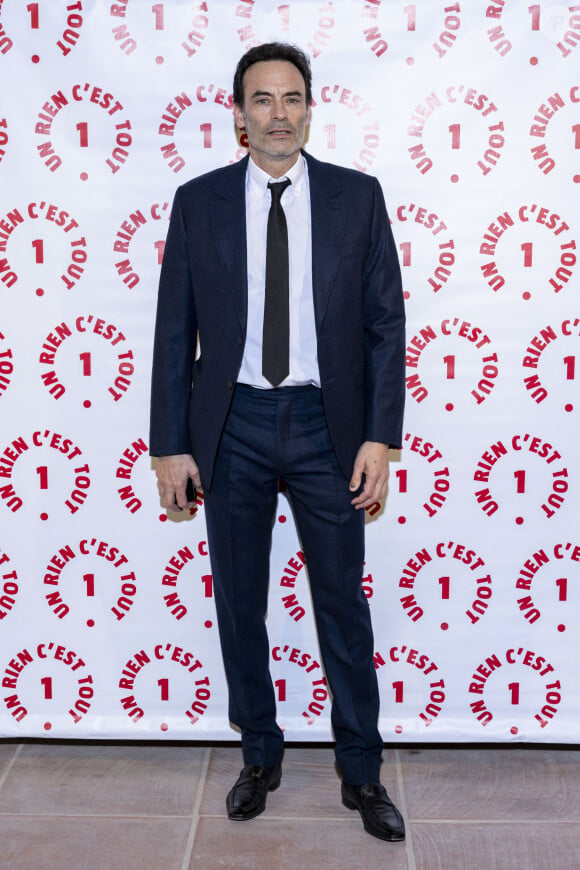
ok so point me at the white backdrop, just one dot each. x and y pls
(469, 114)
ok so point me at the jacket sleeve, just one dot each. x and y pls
(174, 344)
(384, 331)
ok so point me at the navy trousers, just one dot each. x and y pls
(283, 433)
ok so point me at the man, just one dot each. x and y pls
(287, 270)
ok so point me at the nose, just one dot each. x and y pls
(279, 109)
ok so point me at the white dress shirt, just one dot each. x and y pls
(296, 205)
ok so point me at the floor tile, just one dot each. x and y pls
(321, 756)
(81, 806)
(286, 844)
(103, 779)
(308, 774)
(492, 846)
(310, 785)
(46, 843)
(492, 783)
(7, 753)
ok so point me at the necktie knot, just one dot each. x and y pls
(277, 188)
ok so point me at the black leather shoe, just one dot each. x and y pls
(247, 798)
(380, 816)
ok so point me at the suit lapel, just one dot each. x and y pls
(328, 212)
(228, 221)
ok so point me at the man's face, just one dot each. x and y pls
(274, 114)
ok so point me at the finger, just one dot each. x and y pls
(167, 495)
(170, 503)
(374, 490)
(363, 497)
(357, 473)
(364, 501)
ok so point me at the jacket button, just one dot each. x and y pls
(240, 340)
(229, 385)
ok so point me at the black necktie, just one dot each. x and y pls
(276, 335)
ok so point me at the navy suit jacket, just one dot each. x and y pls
(358, 305)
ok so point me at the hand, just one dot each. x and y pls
(372, 461)
(172, 474)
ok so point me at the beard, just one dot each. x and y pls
(262, 139)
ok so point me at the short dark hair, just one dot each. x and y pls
(272, 51)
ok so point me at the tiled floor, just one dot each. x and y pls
(79, 806)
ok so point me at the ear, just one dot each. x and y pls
(239, 117)
(308, 114)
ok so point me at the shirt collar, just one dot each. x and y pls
(257, 180)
